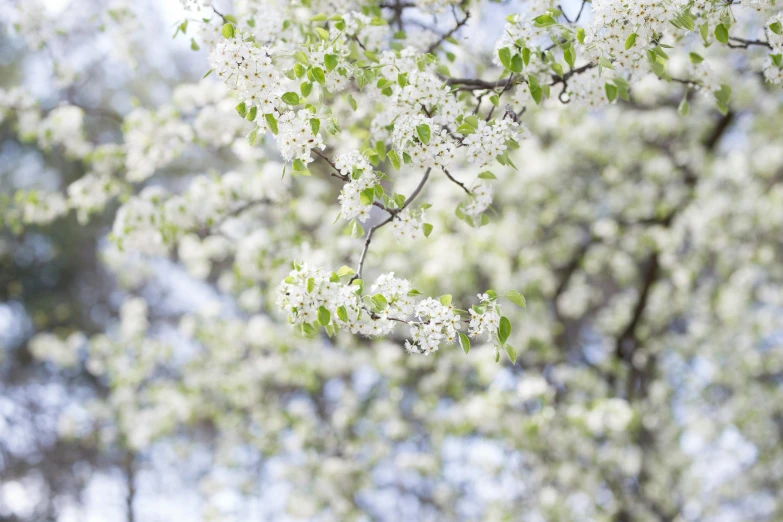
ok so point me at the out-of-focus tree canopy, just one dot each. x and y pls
(399, 260)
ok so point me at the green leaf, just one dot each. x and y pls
(776, 27)
(310, 285)
(228, 31)
(464, 342)
(345, 271)
(704, 30)
(580, 35)
(630, 41)
(271, 122)
(252, 137)
(367, 196)
(241, 109)
(487, 175)
(424, 133)
(684, 107)
(504, 330)
(723, 96)
(394, 158)
(251, 114)
(516, 298)
(413, 292)
(342, 314)
(322, 33)
(504, 54)
(324, 317)
(379, 302)
(207, 73)
(193, 45)
(445, 300)
(427, 229)
(516, 64)
(611, 92)
(291, 98)
(569, 55)
(306, 88)
(301, 57)
(315, 125)
(330, 62)
(544, 20)
(351, 102)
(722, 33)
(318, 74)
(301, 168)
(512, 353)
(696, 58)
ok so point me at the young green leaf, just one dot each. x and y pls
(424, 133)
(427, 229)
(504, 330)
(464, 342)
(722, 33)
(512, 353)
(324, 317)
(271, 122)
(330, 62)
(516, 298)
(630, 41)
(291, 98)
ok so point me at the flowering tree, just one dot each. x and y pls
(355, 184)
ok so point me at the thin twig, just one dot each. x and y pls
(385, 222)
(452, 178)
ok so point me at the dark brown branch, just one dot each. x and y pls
(744, 44)
(453, 30)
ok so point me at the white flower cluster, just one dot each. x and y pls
(485, 318)
(359, 26)
(62, 352)
(196, 5)
(308, 296)
(91, 193)
(354, 165)
(64, 127)
(138, 223)
(248, 70)
(775, 40)
(480, 200)
(395, 291)
(439, 152)
(614, 21)
(589, 88)
(490, 140)
(438, 322)
(339, 77)
(423, 90)
(773, 72)
(295, 137)
(520, 27)
(408, 224)
(435, 6)
(40, 208)
(153, 140)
